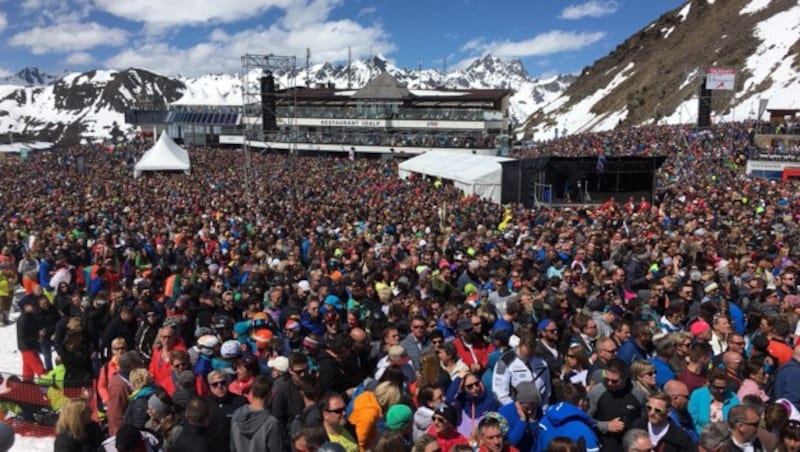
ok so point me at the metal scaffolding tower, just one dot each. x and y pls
(254, 67)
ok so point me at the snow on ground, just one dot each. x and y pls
(778, 34)
(684, 12)
(754, 6)
(11, 362)
(580, 117)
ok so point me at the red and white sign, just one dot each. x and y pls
(720, 78)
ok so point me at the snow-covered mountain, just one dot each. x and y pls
(485, 73)
(29, 76)
(655, 74)
(78, 105)
(92, 104)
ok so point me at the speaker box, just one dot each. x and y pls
(268, 116)
(704, 106)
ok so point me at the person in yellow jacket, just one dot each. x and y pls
(8, 283)
(368, 409)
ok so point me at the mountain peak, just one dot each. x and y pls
(491, 63)
(29, 76)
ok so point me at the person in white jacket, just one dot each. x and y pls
(519, 365)
(429, 398)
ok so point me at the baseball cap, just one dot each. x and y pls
(699, 327)
(527, 393)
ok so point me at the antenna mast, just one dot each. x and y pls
(444, 71)
(349, 59)
(308, 67)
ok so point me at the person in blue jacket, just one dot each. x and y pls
(471, 400)
(567, 419)
(714, 397)
(523, 428)
(635, 348)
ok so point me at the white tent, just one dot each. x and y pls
(165, 155)
(471, 173)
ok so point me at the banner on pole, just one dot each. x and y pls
(720, 78)
(762, 107)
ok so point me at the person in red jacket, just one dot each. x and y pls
(160, 363)
(470, 346)
(444, 430)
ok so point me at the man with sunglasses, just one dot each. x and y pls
(744, 421)
(334, 421)
(416, 343)
(222, 403)
(664, 434)
(287, 402)
(613, 405)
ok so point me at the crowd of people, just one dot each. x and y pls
(328, 305)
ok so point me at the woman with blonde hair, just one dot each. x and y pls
(75, 429)
(429, 373)
(143, 388)
(643, 374)
(369, 407)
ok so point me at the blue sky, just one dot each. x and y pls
(209, 36)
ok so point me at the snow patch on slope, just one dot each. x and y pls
(684, 12)
(778, 34)
(754, 6)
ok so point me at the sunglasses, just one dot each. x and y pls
(655, 409)
(472, 385)
(437, 342)
(338, 411)
(299, 371)
(217, 384)
(439, 419)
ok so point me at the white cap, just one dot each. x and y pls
(280, 363)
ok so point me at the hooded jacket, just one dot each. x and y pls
(255, 430)
(565, 419)
(423, 419)
(365, 416)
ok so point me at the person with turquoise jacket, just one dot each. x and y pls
(712, 402)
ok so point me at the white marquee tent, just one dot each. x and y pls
(165, 155)
(471, 173)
